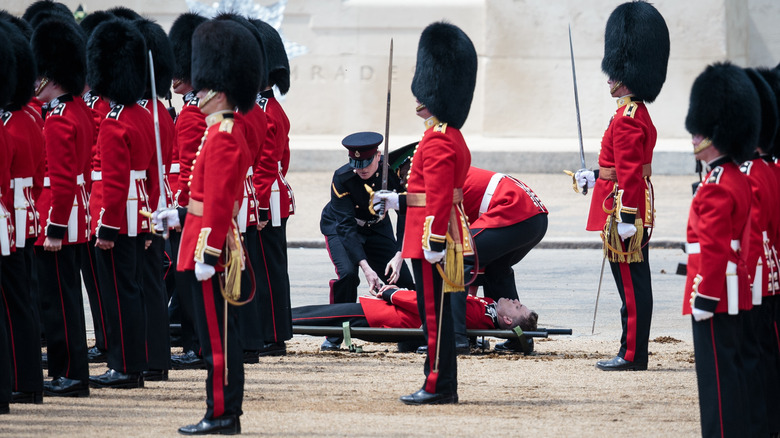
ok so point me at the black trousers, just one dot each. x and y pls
(22, 328)
(181, 307)
(327, 315)
(250, 324)
(754, 378)
(379, 250)
(155, 306)
(273, 284)
(89, 277)
(720, 376)
(120, 273)
(5, 360)
(767, 334)
(62, 311)
(223, 397)
(636, 294)
(436, 315)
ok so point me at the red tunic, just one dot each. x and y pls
(99, 108)
(494, 200)
(763, 225)
(217, 179)
(274, 162)
(439, 165)
(627, 145)
(6, 201)
(253, 126)
(34, 108)
(719, 215)
(27, 171)
(190, 126)
(68, 137)
(402, 311)
(166, 145)
(126, 145)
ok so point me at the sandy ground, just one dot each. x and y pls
(555, 392)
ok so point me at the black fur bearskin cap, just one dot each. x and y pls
(60, 53)
(215, 65)
(42, 10)
(446, 73)
(7, 68)
(162, 53)
(768, 103)
(256, 34)
(22, 26)
(724, 107)
(93, 19)
(275, 56)
(772, 78)
(181, 39)
(636, 49)
(116, 56)
(25, 66)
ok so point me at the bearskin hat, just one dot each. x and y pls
(724, 107)
(162, 53)
(21, 26)
(181, 39)
(25, 66)
(215, 66)
(636, 49)
(93, 19)
(7, 67)
(256, 34)
(446, 72)
(41, 10)
(60, 53)
(768, 103)
(116, 55)
(278, 65)
(772, 78)
(126, 13)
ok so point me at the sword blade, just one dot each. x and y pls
(387, 118)
(576, 102)
(161, 204)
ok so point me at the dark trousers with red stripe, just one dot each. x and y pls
(636, 312)
(436, 316)
(250, 326)
(222, 397)
(32, 275)
(89, 276)
(5, 360)
(273, 284)
(330, 315)
(769, 338)
(24, 335)
(720, 376)
(155, 303)
(120, 275)
(754, 379)
(62, 311)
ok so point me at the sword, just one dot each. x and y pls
(387, 117)
(161, 204)
(577, 106)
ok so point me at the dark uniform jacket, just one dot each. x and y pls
(347, 213)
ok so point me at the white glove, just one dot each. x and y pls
(203, 271)
(171, 215)
(700, 315)
(626, 230)
(434, 256)
(585, 176)
(390, 199)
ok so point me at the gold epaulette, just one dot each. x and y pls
(630, 110)
(441, 127)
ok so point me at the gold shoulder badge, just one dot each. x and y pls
(630, 110)
(226, 125)
(441, 127)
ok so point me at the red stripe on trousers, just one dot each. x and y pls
(270, 289)
(119, 312)
(11, 339)
(717, 375)
(62, 307)
(628, 292)
(431, 324)
(90, 254)
(217, 352)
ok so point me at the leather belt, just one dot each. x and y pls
(195, 208)
(418, 199)
(609, 174)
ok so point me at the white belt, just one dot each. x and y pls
(22, 182)
(79, 180)
(695, 248)
(96, 175)
(249, 171)
(174, 168)
(137, 174)
(491, 188)
(21, 203)
(5, 234)
(132, 202)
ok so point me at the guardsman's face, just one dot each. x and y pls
(366, 172)
(512, 309)
(422, 111)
